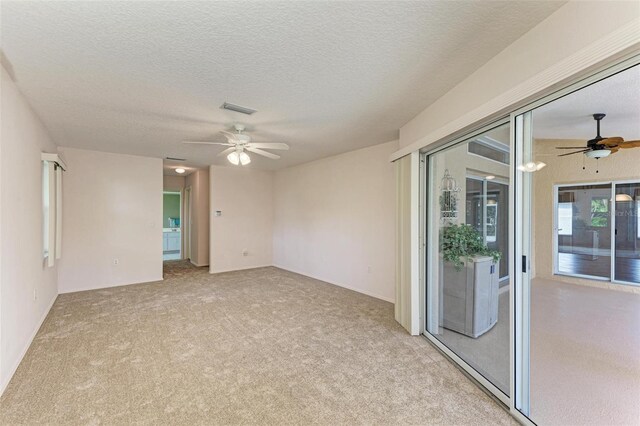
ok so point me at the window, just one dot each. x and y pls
(46, 204)
(52, 168)
(565, 219)
(638, 218)
(490, 149)
(599, 212)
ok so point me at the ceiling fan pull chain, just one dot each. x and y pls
(597, 166)
(584, 167)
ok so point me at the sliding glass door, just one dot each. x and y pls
(626, 268)
(583, 230)
(577, 251)
(597, 232)
(468, 255)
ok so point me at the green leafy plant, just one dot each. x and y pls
(462, 242)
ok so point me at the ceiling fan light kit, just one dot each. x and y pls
(238, 143)
(239, 157)
(623, 198)
(599, 153)
(600, 147)
(532, 166)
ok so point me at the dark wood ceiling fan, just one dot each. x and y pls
(599, 146)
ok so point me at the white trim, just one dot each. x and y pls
(415, 244)
(422, 238)
(54, 158)
(244, 268)
(357, 290)
(624, 39)
(51, 235)
(13, 370)
(197, 264)
(469, 136)
(58, 218)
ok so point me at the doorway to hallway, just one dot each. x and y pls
(171, 226)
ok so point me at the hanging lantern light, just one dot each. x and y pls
(449, 198)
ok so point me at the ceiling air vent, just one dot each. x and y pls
(238, 108)
(175, 159)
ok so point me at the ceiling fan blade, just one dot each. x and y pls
(269, 145)
(630, 144)
(264, 153)
(228, 135)
(611, 141)
(570, 147)
(575, 152)
(614, 150)
(226, 151)
(208, 143)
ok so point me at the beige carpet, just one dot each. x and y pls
(262, 346)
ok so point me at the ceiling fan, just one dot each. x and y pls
(599, 146)
(239, 143)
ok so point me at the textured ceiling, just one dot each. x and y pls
(571, 117)
(325, 77)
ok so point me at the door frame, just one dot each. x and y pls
(186, 223)
(179, 193)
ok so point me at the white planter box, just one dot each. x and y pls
(470, 296)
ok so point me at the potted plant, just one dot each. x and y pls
(462, 242)
(468, 281)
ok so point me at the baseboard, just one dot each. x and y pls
(66, 291)
(357, 290)
(240, 269)
(198, 264)
(4, 385)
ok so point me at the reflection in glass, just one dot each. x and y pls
(468, 291)
(584, 230)
(627, 233)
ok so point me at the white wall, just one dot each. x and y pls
(173, 183)
(199, 183)
(335, 220)
(112, 209)
(555, 39)
(27, 287)
(245, 198)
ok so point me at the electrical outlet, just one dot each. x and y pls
(369, 269)
(116, 261)
(245, 252)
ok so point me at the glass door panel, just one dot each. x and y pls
(627, 233)
(498, 223)
(467, 304)
(487, 211)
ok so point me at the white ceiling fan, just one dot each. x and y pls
(239, 143)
